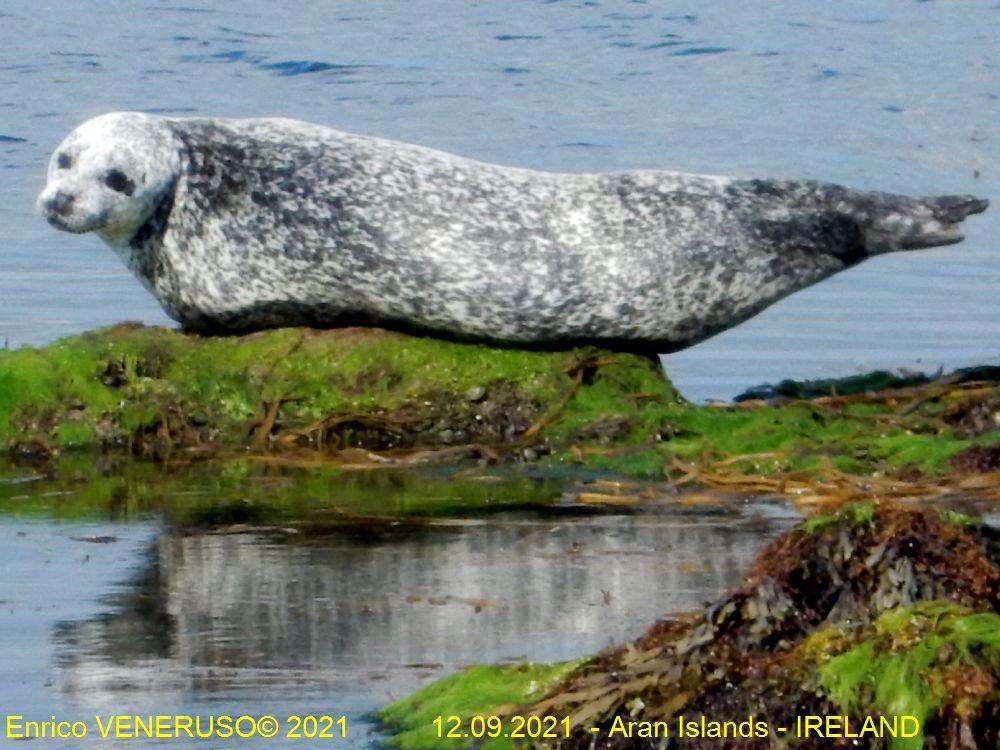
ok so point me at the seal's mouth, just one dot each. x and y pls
(59, 223)
(73, 225)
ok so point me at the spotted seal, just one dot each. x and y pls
(237, 225)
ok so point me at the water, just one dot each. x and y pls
(123, 597)
(880, 94)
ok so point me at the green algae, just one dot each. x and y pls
(774, 439)
(895, 666)
(958, 518)
(475, 691)
(855, 513)
(802, 436)
(110, 386)
(636, 461)
(156, 391)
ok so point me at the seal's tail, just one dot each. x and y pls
(893, 222)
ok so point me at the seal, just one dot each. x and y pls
(236, 225)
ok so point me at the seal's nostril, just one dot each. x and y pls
(61, 203)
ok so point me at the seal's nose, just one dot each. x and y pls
(58, 204)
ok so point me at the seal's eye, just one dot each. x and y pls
(64, 161)
(117, 181)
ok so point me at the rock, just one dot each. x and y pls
(870, 382)
(156, 391)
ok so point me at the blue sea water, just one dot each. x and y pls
(883, 94)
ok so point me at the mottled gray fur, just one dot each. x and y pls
(244, 224)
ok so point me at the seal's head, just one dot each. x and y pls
(110, 175)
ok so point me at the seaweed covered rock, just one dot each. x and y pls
(370, 397)
(877, 611)
(157, 390)
(870, 382)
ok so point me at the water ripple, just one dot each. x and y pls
(670, 43)
(299, 67)
(861, 21)
(250, 34)
(168, 110)
(701, 51)
(281, 67)
(627, 17)
(205, 11)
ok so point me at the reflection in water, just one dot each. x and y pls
(345, 590)
(360, 618)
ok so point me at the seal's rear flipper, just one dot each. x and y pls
(887, 222)
(900, 223)
(823, 233)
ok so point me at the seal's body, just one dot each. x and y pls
(244, 224)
